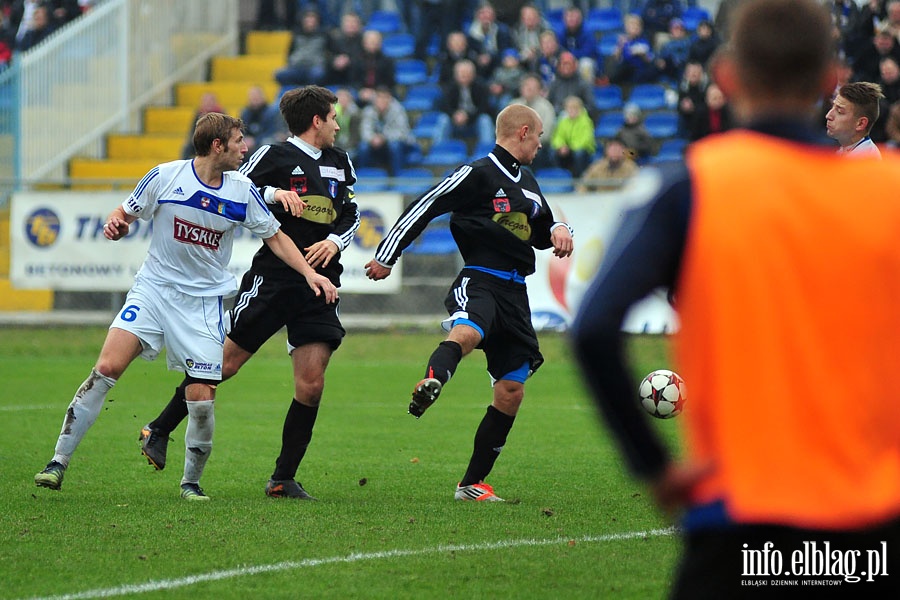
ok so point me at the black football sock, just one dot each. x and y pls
(489, 441)
(295, 437)
(444, 360)
(174, 413)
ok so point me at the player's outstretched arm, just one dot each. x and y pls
(285, 249)
(376, 271)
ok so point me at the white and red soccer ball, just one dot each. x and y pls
(663, 394)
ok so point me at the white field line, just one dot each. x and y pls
(170, 584)
(26, 407)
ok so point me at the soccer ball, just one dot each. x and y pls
(663, 394)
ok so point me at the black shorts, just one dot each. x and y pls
(264, 305)
(500, 309)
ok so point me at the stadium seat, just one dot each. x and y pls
(603, 20)
(371, 179)
(385, 21)
(648, 96)
(663, 157)
(554, 180)
(692, 17)
(609, 124)
(436, 239)
(481, 150)
(446, 152)
(399, 45)
(673, 145)
(662, 124)
(422, 97)
(413, 180)
(607, 44)
(432, 125)
(411, 71)
(608, 97)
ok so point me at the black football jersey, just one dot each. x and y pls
(499, 215)
(324, 180)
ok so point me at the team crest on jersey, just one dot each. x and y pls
(297, 171)
(332, 188)
(204, 202)
(501, 204)
(298, 184)
(535, 209)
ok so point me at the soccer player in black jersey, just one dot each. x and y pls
(309, 185)
(499, 217)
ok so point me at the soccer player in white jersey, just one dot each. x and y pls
(176, 300)
(853, 113)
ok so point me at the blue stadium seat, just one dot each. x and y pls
(673, 145)
(609, 124)
(554, 180)
(693, 15)
(385, 21)
(371, 179)
(607, 44)
(436, 239)
(411, 71)
(399, 45)
(648, 96)
(608, 97)
(481, 150)
(446, 152)
(433, 125)
(422, 97)
(604, 20)
(413, 180)
(662, 124)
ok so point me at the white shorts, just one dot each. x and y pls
(191, 328)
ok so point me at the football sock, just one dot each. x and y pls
(174, 413)
(295, 438)
(489, 441)
(81, 414)
(198, 438)
(444, 360)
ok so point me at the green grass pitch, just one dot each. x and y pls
(575, 525)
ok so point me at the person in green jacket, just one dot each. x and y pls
(573, 140)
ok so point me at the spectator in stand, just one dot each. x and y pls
(41, 27)
(890, 79)
(348, 116)
(489, 38)
(704, 44)
(867, 64)
(634, 135)
(262, 120)
(632, 61)
(456, 48)
(505, 80)
(893, 17)
(892, 126)
(575, 38)
(548, 59)
(433, 17)
(568, 82)
(531, 94)
(268, 18)
(306, 58)
(573, 139)
(526, 34)
(872, 14)
(467, 101)
(656, 16)
(847, 16)
(611, 171)
(345, 48)
(373, 69)
(713, 116)
(385, 137)
(209, 103)
(672, 54)
(691, 94)
(63, 11)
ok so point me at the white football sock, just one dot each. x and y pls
(81, 414)
(198, 438)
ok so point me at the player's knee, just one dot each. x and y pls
(508, 396)
(309, 391)
(196, 391)
(109, 369)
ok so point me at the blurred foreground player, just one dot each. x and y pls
(786, 288)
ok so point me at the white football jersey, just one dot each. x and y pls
(193, 226)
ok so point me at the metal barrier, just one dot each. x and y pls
(60, 98)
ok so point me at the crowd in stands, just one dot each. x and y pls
(26, 23)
